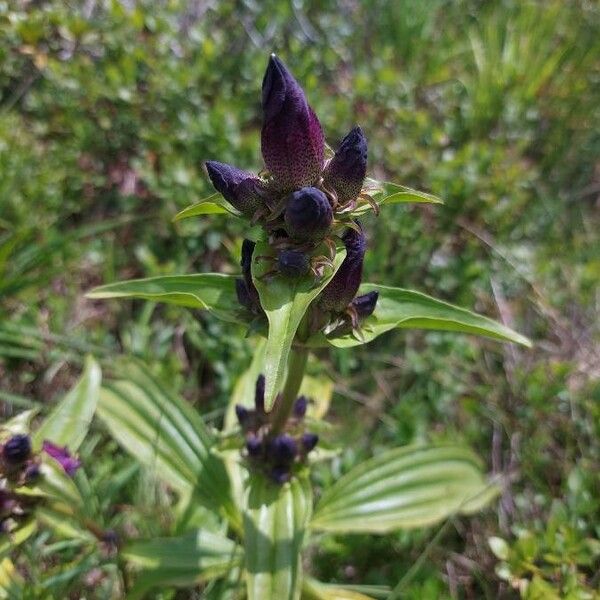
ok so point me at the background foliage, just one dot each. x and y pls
(107, 110)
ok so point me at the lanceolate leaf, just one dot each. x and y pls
(69, 421)
(385, 192)
(275, 520)
(180, 561)
(404, 488)
(407, 309)
(207, 291)
(285, 302)
(316, 590)
(212, 205)
(166, 435)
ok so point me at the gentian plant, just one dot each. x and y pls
(300, 289)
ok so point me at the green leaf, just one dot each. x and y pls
(185, 560)
(212, 205)
(69, 421)
(20, 423)
(404, 488)
(285, 302)
(167, 435)
(17, 536)
(275, 520)
(316, 590)
(12, 584)
(385, 192)
(398, 308)
(214, 292)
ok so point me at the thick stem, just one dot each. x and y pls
(296, 366)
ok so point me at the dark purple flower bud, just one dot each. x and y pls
(340, 291)
(17, 449)
(254, 446)
(293, 263)
(309, 441)
(300, 406)
(292, 141)
(31, 473)
(240, 188)
(280, 474)
(365, 304)
(308, 214)
(259, 395)
(246, 291)
(346, 171)
(67, 461)
(242, 414)
(283, 448)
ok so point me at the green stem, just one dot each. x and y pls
(296, 367)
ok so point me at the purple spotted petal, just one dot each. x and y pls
(240, 188)
(308, 214)
(292, 262)
(346, 171)
(340, 291)
(365, 304)
(67, 461)
(292, 141)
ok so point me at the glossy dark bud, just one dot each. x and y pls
(31, 473)
(365, 304)
(308, 214)
(346, 171)
(17, 449)
(309, 441)
(240, 188)
(259, 395)
(340, 291)
(242, 414)
(280, 474)
(283, 448)
(253, 446)
(292, 263)
(292, 141)
(246, 291)
(67, 461)
(300, 406)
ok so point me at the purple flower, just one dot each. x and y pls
(280, 474)
(308, 214)
(292, 263)
(17, 449)
(67, 461)
(346, 171)
(240, 188)
(292, 141)
(253, 445)
(365, 304)
(340, 291)
(242, 414)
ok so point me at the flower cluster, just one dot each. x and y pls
(20, 466)
(304, 202)
(276, 454)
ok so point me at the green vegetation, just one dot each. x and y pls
(107, 110)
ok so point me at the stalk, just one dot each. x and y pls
(296, 366)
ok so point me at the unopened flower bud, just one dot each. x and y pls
(308, 214)
(292, 263)
(242, 414)
(283, 448)
(253, 446)
(365, 304)
(300, 406)
(340, 291)
(346, 171)
(246, 291)
(17, 449)
(292, 141)
(309, 441)
(280, 474)
(240, 188)
(259, 395)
